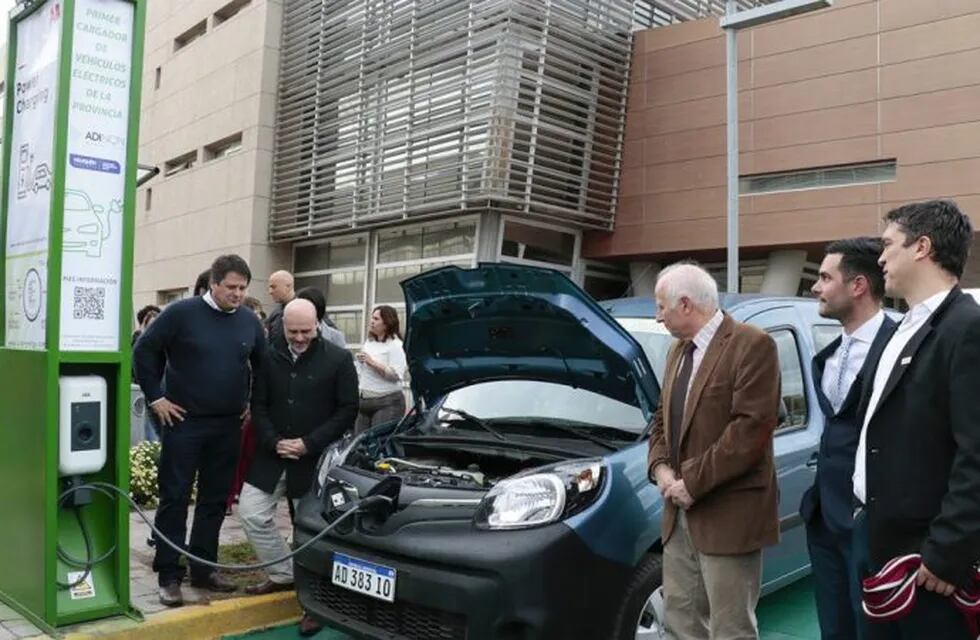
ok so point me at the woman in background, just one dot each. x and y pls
(381, 368)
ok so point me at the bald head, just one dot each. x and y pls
(687, 298)
(281, 287)
(299, 324)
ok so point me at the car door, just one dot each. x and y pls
(795, 442)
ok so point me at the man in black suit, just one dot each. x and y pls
(917, 468)
(304, 398)
(849, 288)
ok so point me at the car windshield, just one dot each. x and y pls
(533, 400)
(530, 399)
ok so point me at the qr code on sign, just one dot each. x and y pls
(89, 303)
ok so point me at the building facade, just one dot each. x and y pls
(845, 113)
(359, 142)
(210, 79)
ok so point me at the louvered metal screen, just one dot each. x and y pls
(404, 109)
(660, 13)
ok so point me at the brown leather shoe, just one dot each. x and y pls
(214, 582)
(308, 626)
(268, 586)
(171, 596)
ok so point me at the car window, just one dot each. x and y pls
(791, 372)
(823, 335)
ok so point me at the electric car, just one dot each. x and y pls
(516, 502)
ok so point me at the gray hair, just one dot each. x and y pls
(685, 279)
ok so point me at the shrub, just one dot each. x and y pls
(144, 463)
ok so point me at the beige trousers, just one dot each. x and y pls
(709, 597)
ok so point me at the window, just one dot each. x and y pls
(403, 253)
(166, 296)
(823, 335)
(791, 372)
(606, 281)
(156, 81)
(190, 35)
(180, 163)
(338, 268)
(229, 11)
(818, 178)
(537, 244)
(149, 199)
(222, 148)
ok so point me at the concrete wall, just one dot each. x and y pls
(222, 83)
(862, 81)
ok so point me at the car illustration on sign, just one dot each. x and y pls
(87, 225)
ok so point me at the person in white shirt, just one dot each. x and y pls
(381, 367)
(917, 467)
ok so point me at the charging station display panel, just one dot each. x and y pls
(30, 183)
(95, 173)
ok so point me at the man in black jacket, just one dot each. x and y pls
(304, 398)
(917, 468)
(850, 287)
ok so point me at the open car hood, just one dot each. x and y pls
(507, 322)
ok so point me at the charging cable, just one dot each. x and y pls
(114, 492)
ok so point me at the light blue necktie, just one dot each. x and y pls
(841, 368)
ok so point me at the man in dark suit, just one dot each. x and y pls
(711, 455)
(849, 288)
(304, 398)
(917, 467)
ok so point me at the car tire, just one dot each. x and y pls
(647, 578)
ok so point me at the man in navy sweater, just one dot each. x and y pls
(206, 349)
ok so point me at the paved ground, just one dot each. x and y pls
(143, 582)
(786, 615)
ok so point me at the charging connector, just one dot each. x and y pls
(76, 493)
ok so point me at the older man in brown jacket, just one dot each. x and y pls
(711, 455)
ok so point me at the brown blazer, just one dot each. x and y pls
(726, 448)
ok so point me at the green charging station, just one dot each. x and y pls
(68, 206)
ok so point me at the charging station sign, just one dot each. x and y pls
(95, 174)
(30, 183)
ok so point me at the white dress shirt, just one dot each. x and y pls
(209, 299)
(701, 341)
(857, 346)
(911, 323)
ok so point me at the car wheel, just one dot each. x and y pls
(641, 615)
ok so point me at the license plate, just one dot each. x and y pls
(371, 579)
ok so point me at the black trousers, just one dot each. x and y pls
(838, 568)
(934, 617)
(208, 449)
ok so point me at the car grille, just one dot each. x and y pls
(406, 619)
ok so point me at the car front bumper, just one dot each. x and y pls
(457, 582)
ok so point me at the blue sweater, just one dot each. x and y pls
(205, 355)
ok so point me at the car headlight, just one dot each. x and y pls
(541, 496)
(331, 458)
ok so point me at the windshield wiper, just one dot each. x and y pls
(469, 417)
(557, 426)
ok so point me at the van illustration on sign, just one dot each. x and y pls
(31, 179)
(87, 225)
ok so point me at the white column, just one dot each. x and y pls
(783, 272)
(643, 278)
